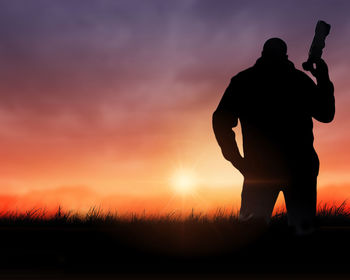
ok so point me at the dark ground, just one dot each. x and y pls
(191, 249)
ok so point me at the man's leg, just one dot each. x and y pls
(301, 198)
(258, 200)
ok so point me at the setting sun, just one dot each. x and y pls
(184, 181)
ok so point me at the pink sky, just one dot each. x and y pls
(113, 97)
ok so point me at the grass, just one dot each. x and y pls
(327, 214)
(109, 241)
(96, 216)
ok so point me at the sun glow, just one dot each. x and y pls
(184, 181)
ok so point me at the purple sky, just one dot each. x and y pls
(134, 82)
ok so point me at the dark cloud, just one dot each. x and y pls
(135, 57)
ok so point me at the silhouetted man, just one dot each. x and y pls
(275, 104)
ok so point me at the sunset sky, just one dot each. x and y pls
(109, 102)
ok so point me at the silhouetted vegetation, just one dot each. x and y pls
(110, 242)
(327, 214)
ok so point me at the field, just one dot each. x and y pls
(97, 245)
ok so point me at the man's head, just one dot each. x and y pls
(275, 48)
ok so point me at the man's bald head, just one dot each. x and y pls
(275, 48)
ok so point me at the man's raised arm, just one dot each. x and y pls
(323, 108)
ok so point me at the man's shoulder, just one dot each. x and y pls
(301, 73)
(302, 76)
(246, 73)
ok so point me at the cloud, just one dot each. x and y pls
(78, 58)
(130, 81)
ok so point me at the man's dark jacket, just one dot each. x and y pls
(275, 104)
